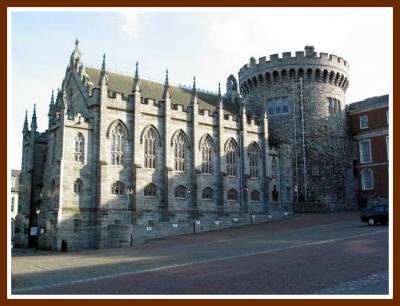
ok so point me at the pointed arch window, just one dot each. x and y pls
(150, 190)
(231, 152)
(150, 149)
(117, 188)
(254, 160)
(255, 196)
(206, 149)
(232, 195)
(118, 140)
(207, 193)
(78, 186)
(79, 153)
(180, 149)
(180, 192)
(274, 169)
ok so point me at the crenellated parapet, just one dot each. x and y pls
(307, 65)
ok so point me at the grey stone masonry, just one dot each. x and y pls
(304, 96)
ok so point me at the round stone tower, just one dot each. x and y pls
(304, 96)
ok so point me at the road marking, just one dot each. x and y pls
(204, 261)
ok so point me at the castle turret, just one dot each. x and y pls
(304, 95)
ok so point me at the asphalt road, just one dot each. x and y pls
(308, 254)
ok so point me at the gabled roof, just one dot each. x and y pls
(149, 89)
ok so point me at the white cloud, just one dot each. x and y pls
(132, 23)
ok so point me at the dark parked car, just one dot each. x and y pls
(376, 214)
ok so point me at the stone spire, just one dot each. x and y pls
(34, 123)
(194, 89)
(136, 80)
(76, 55)
(219, 90)
(25, 122)
(220, 103)
(103, 75)
(52, 98)
(166, 86)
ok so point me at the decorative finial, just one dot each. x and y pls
(103, 65)
(137, 71)
(76, 43)
(219, 89)
(26, 122)
(52, 97)
(33, 123)
(166, 78)
(194, 84)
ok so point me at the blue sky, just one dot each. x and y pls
(208, 43)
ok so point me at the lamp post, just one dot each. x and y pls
(129, 216)
(37, 228)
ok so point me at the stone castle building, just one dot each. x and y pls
(123, 153)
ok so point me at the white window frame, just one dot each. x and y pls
(362, 161)
(364, 121)
(363, 187)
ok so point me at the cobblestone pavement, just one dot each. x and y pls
(305, 254)
(377, 283)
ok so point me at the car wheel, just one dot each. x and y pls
(371, 221)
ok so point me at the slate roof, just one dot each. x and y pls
(373, 102)
(149, 89)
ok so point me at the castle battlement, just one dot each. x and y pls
(307, 56)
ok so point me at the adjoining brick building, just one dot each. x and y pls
(369, 127)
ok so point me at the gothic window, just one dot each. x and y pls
(79, 148)
(232, 195)
(231, 152)
(207, 193)
(367, 179)
(118, 138)
(117, 188)
(180, 149)
(180, 192)
(78, 187)
(254, 156)
(206, 149)
(150, 190)
(274, 169)
(365, 151)
(150, 148)
(255, 196)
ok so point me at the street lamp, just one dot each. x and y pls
(128, 216)
(37, 228)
